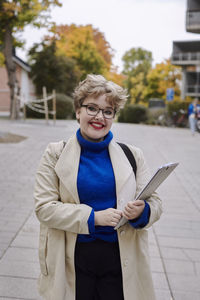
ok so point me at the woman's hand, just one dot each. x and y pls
(107, 217)
(133, 209)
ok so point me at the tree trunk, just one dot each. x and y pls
(11, 69)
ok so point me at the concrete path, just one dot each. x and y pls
(174, 241)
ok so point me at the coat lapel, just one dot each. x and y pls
(121, 166)
(67, 166)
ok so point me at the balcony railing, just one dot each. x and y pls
(193, 21)
(186, 56)
(193, 89)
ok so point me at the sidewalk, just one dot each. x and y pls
(174, 239)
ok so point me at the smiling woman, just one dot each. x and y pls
(96, 102)
(82, 191)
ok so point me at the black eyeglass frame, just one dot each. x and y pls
(98, 110)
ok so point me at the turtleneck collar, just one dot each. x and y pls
(94, 146)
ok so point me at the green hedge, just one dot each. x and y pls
(133, 113)
(64, 108)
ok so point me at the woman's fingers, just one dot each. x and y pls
(108, 217)
(138, 202)
(133, 209)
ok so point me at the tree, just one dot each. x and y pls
(115, 76)
(86, 45)
(137, 63)
(137, 87)
(58, 71)
(14, 16)
(163, 76)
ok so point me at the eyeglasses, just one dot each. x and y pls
(93, 110)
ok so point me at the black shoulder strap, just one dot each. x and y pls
(130, 156)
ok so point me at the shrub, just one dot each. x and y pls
(64, 108)
(133, 113)
(178, 113)
(156, 116)
(176, 106)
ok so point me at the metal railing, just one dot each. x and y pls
(186, 56)
(193, 89)
(193, 21)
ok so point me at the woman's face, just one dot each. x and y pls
(94, 128)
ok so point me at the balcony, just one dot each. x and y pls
(185, 58)
(193, 21)
(193, 90)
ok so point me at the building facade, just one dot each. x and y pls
(27, 89)
(187, 53)
(193, 16)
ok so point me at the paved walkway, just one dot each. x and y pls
(174, 240)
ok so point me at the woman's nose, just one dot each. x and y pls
(100, 114)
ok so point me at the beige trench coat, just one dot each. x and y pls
(62, 217)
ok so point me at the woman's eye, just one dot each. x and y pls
(108, 112)
(92, 108)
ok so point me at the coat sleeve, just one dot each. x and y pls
(48, 208)
(142, 177)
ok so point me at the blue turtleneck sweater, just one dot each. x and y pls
(96, 187)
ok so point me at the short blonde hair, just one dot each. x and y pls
(96, 85)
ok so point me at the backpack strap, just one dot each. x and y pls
(130, 156)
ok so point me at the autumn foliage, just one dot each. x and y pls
(162, 77)
(86, 45)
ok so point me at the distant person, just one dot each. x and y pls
(82, 190)
(193, 114)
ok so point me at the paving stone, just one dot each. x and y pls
(174, 253)
(178, 232)
(156, 265)
(6, 237)
(18, 288)
(179, 267)
(21, 254)
(177, 242)
(19, 269)
(153, 251)
(194, 255)
(159, 280)
(197, 268)
(184, 283)
(162, 294)
(186, 295)
(26, 240)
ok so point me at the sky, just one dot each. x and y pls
(150, 24)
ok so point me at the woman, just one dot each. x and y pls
(193, 110)
(82, 190)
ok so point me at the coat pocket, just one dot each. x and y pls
(43, 252)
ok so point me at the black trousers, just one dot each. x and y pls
(98, 271)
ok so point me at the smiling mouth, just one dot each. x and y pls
(97, 126)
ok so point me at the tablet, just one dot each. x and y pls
(160, 175)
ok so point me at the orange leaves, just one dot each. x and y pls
(162, 77)
(86, 45)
